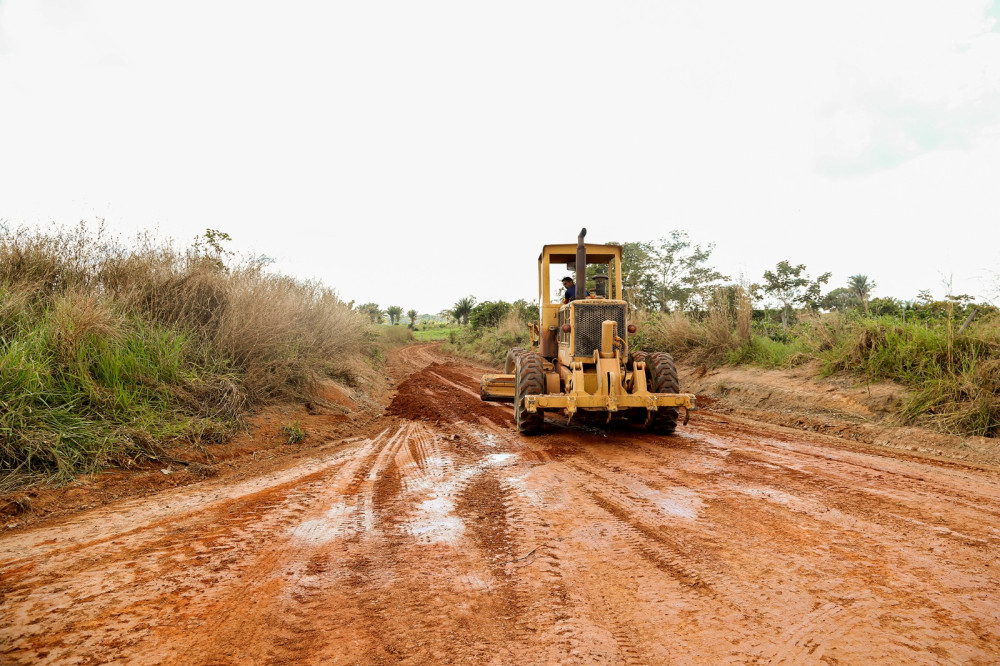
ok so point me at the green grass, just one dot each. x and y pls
(766, 353)
(76, 400)
(436, 334)
(293, 431)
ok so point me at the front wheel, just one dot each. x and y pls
(511, 360)
(529, 379)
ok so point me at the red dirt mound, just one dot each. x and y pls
(440, 393)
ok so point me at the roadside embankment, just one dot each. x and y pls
(841, 406)
(114, 353)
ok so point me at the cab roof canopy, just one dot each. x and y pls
(566, 254)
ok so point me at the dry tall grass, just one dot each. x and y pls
(102, 331)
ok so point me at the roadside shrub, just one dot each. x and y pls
(488, 313)
(396, 335)
(293, 431)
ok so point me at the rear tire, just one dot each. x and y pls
(529, 380)
(662, 374)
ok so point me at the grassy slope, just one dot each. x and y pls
(111, 352)
(955, 379)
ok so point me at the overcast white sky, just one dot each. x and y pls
(410, 153)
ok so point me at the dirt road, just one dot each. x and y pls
(443, 537)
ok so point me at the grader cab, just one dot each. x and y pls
(579, 361)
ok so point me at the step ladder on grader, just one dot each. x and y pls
(579, 361)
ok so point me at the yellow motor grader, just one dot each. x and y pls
(580, 361)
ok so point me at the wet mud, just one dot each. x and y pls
(441, 536)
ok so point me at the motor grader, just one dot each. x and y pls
(579, 362)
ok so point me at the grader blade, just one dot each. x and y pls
(497, 388)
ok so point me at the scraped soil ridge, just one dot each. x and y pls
(438, 392)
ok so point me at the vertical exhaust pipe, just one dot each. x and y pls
(581, 265)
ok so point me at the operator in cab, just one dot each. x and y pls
(570, 287)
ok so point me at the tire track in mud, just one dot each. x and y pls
(146, 562)
(525, 552)
(282, 592)
(183, 573)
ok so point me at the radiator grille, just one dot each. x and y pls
(563, 319)
(587, 325)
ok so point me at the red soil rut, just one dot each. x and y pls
(443, 537)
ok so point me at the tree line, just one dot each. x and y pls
(393, 312)
(674, 274)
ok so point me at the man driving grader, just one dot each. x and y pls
(580, 361)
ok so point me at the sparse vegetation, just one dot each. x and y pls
(293, 431)
(110, 352)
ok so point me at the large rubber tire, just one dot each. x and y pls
(511, 361)
(529, 380)
(662, 375)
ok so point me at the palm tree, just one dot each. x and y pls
(861, 287)
(373, 311)
(394, 312)
(462, 309)
(412, 314)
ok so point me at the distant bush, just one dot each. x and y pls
(110, 351)
(396, 335)
(491, 313)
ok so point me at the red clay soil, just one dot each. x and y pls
(438, 392)
(441, 536)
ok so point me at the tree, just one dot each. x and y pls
(792, 287)
(525, 310)
(412, 314)
(373, 311)
(668, 273)
(489, 313)
(462, 309)
(861, 287)
(840, 299)
(394, 312)
(886, 305)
